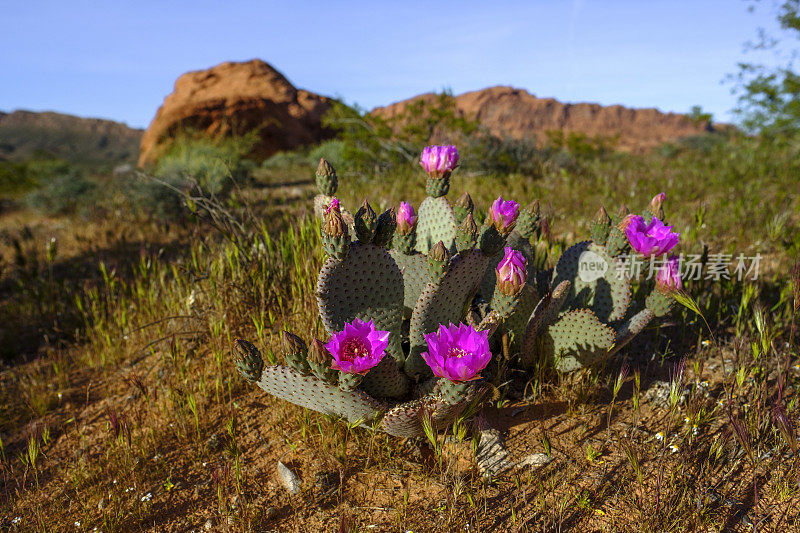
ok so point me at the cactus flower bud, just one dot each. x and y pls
(317, 353)
(649, 239)
(463, 207)
(248, 360)
(439, 161)
(668, 278)
(358, 347)
(333, 224)
(365, 222)
(438, 260)
(623, 211)
(602, 217)
(457, 353)
(326, 179)
(656, 205)
(466, 234)
(503, 215)
(600, 227)
(511, 272)
(384, 232)
(406, 218)
(295, 352)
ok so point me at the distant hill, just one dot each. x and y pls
(26, 134)
(515, 113)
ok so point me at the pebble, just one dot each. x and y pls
(290, 480)
(534, 459)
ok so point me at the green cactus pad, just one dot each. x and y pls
(435, 223)
(544, 314)
(630, 328)
(367, 285)
(312, 393)
(414, 268)
(608, 294)
(576, 340)
(405, 420)
(660, 303)
(443, 302)
(518, 321)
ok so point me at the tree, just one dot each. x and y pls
(769, 97)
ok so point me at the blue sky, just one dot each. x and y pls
(119, 59)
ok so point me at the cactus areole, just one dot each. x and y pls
(420, 308)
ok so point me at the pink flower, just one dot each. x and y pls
(358, 347)
(457, 353)
(504, 214)
(654, 238)
(333, 206)
(406, 219)
(439, 160)
(668, 278)
(511, 272)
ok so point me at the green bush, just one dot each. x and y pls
(67, 193)
(213, 166)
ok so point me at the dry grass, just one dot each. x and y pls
(124, 412)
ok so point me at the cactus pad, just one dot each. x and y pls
(435, 223)
(576, 340)
(312, 393)
(605, 292)
(367, 285)
(632, 327)
(518, 321)
(444, 302)
(405, 420)
(414, 268)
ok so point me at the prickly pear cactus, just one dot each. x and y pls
(443, 302)
(436, 223)
(367, 284)
(444, 279)
(596, 281)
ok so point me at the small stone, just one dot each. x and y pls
(326, 480)
(534, 459)
(213, 443)
(492, 457)
(290, 480)
(208, 525)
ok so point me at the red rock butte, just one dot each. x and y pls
(238, 98)
(235, 99)
(509, 112)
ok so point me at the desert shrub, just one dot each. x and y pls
(212, 165)
(191, 165)
(285, 160)
(332, 150)
(66, 193)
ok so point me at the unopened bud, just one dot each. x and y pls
(365, 223)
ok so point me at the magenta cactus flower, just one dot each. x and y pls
(503, 214)
(439, 161)
(406, 218)
(668, 278)
(358, 347)
(457, 353)
(333, 206)
(511, 272)
(651, 239)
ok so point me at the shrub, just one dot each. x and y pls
(67, 193)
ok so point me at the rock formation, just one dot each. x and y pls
(515, 113)
(234, 99)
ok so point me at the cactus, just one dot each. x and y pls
(412, 327)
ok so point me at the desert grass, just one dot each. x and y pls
(121, 410)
